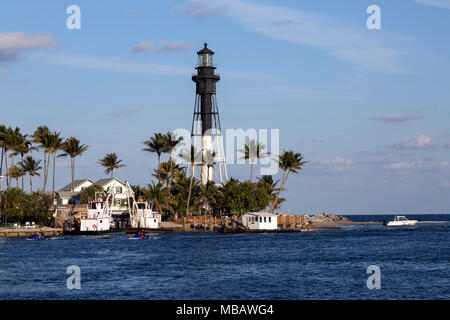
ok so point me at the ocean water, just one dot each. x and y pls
(414, 264)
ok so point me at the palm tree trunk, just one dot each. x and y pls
(46, 163)
(23, 174)
(283, 181)
(251, 172)
(6, 167)
(31, 185)
(72, 164)
(12, 166)
(159, 168)
(112, 173)
(1, 162)
(190, 189)
(54, 168)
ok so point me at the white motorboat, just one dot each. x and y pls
(400, 221)
(98, 218)
(142, 216)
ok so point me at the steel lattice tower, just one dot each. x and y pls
(206, 132)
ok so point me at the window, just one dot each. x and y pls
(265, 219)
(260, 219)
(270, 219)
(119, 190)
(118, 203)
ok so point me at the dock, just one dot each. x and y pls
(26, 232)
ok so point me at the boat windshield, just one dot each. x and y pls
(95, 205)
(400, 218)
(142, 205)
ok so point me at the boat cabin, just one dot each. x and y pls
(260, 221)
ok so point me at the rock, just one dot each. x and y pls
(325, 217)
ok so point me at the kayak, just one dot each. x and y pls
(139, 237)
(36, 237)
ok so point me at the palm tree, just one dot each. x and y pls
(157, 145)
(208, 198)
(12, 139)
(22, 150)
(72, 147)
(158, 195)
(192, 157)
(171, 141)
(208, 159)
(42, 137)
(30, 166)
(110, 162)
(2, 145)
(164, 172)
(271, 187)
(56, 143)
(289, 162)
(16, 172)
(253, 151)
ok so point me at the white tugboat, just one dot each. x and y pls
(98, 218)
(400, 221)
(142, 216)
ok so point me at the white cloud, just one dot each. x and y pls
(113, 64)
(337, 164)
(349, 44)
(419, 165)
(13, 43)
(148, 45)
(202, 8)
(124, 113)
(435, 3)
(119, 65)
(396, 119)
(420, 142)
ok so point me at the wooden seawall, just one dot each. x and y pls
(22, 232)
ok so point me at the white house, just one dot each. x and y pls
(260, 221)
(66, 196)
(120, 195)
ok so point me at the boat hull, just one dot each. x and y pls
(400, 223)
(92, 233)
(148, 230)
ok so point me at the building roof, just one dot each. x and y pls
(205, 50)
(68, 194)
(76, 183)
(262, 214)
(102, 182)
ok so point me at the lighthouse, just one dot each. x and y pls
(206, 131)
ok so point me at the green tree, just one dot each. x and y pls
(171, 141)
(2, 142)
(72, 148)
(158, 195)
(31, 166)
(110, 162)
(252, 152)
(193, 157)
(208, 198)
(156, 144)
(42, 137)
(16, 173)
(12, 140)
(92, 193)
(56, 143)
(289, 162)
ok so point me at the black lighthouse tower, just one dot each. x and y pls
(206, 121)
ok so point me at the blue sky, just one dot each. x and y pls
(368, 108)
